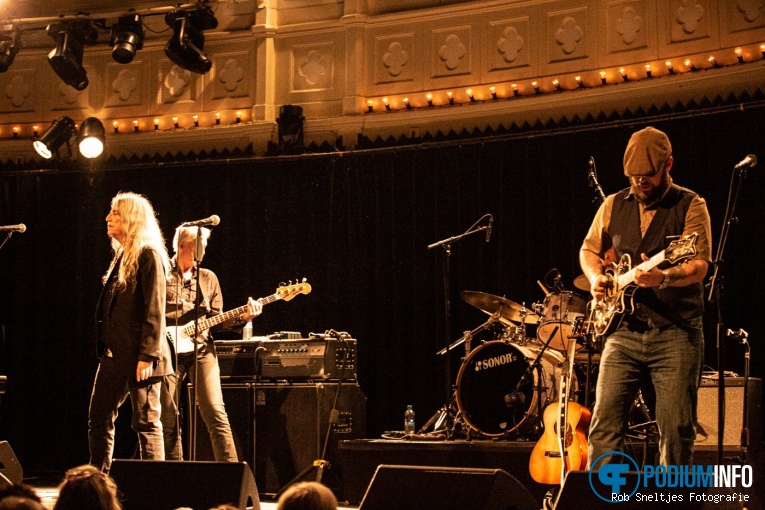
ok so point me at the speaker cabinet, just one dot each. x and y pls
(578, 494)
(418, 487)
(165, 485)
(289, 425)
(706, 433)
(9, 464)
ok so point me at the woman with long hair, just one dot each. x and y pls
(130, 331)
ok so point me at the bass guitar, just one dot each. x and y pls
(565, 433)
(183, 340)
(608, 313)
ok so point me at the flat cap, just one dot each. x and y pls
(647, 152)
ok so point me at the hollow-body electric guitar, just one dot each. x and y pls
(607, 314)
(183, 339)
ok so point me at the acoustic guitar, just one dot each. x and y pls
(565, 431)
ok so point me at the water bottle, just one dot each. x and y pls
(247, 331)
(409, 420)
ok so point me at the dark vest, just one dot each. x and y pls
(673, 304)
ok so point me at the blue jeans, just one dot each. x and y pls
(211, 407)
(110, 389)
(671, 359)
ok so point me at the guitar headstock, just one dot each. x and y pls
(681, 249)
(289, 291)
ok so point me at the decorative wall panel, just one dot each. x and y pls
(313, 67)
(395, 59)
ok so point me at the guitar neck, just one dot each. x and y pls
(223, 317)
(625, 279)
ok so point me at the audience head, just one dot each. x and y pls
(307, 496)
(87, 488)
(19, 497)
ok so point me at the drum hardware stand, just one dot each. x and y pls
(645, 431)
(468, 335)
(445, 418)
(446, 244)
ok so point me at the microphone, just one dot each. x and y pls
(750, 160)
(488, 229)
(20, 228)
(591, 173)
(207, 222)
(514, 399)
(557, 285)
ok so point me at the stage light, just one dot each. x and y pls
(58, 133)
(126, 38)
(66, 57)
(186, 47)
(90, 138)
(9, 47)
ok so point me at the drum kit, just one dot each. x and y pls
(504, 384)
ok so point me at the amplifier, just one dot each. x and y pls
(309, 358)
(287, 360)
(238, 359)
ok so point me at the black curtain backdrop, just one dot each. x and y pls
(357, 225)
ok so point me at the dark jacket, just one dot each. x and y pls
(135, 322)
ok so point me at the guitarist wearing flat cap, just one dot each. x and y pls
(648, 308)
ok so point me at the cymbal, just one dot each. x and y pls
(508, 310)
(582, 283)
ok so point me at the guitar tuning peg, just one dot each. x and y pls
(305, 279)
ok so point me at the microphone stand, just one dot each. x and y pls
(446, 244)
(714, 285)
(593, 175)
(7, 236)
(198, 255)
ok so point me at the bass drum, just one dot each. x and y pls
(491, 373)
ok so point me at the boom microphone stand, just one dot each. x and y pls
(714, 289)
(446, 244)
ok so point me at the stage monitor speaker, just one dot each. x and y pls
(167, 485)
(578, 494)
(706, 434)
(9, 464)
(445, 488)
(289, 423)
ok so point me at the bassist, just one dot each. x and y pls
(181, 305)
(660, 340)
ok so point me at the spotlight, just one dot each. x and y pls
(9, 47)
(59, 132)
(90, 138)
(290, 123)
(126, 38)
(186, 47)
(66, 57)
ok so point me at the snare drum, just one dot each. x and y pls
(560, 313)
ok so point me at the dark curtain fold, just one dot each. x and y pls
(357, 225)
